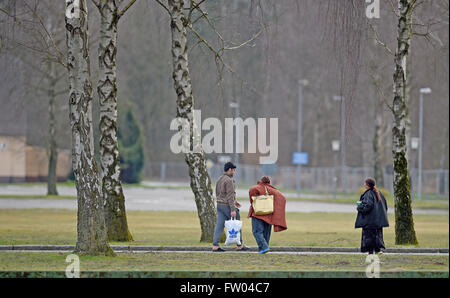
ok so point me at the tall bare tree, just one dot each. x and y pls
(91, 230)
(36, 33)
(200, 180)
(114, 199)
(404, 223)
(53, 148)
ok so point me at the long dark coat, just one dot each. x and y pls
(371, 213)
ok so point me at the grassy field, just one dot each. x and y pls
(156, 261)
(53, 226)
(427, 201)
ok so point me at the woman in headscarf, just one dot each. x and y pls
(262, 224)
(372, 218)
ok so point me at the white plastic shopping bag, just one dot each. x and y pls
(233, 229)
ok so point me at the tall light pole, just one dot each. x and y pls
(335, 147)
(343, 158)
(235, 106)
(414, 146)
(301, 84)
(419, 182)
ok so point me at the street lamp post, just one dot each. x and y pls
(335, 147)
(235, 106)
(419, 182)
(414, 146)
(343, 157)
(301, 84)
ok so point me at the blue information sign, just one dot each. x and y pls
(300, 158)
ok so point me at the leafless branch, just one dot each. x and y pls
(163, 6)
(192, 8)
(96, 3)
(245, 42)
(49, 35)
(429, 33)
(377, 39)
(124, 10)
(379, 90)
(219, 59)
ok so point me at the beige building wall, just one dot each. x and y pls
(20, 162)
(37, 164)
(12, 158)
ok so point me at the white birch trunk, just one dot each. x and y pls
(404, 224)
(91, 230)
(200, 180)
(114, 199)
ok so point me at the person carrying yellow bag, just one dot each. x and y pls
(263, 216)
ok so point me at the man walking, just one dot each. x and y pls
(227, 206)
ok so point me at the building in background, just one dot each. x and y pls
(20, 162)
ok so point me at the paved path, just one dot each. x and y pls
(250, 252)
(300, 250)
(162, 199)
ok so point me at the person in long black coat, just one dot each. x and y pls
(372, 218)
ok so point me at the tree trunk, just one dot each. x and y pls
(53, 149)
(114, 199)
(404, 223)
(408, 104)
(91, 231)
(200, 180)
(377, 149)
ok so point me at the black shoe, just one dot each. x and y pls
(244, 248)
(218, 250)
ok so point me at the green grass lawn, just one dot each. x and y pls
(58, 226)
(158, 261)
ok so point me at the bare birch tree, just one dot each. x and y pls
(199, 176)
(404, 223)
(113, 197)
(92, 233)
(200, 180)
(401, 129)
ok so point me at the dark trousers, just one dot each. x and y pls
(261, 231)
(372, 240)
(223, 214)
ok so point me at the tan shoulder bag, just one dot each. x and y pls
(263, 204)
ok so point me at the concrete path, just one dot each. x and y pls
(162, 199)
(186, 204)
(237, 252)
(207, 249)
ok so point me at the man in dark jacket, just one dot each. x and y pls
(372, 218)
